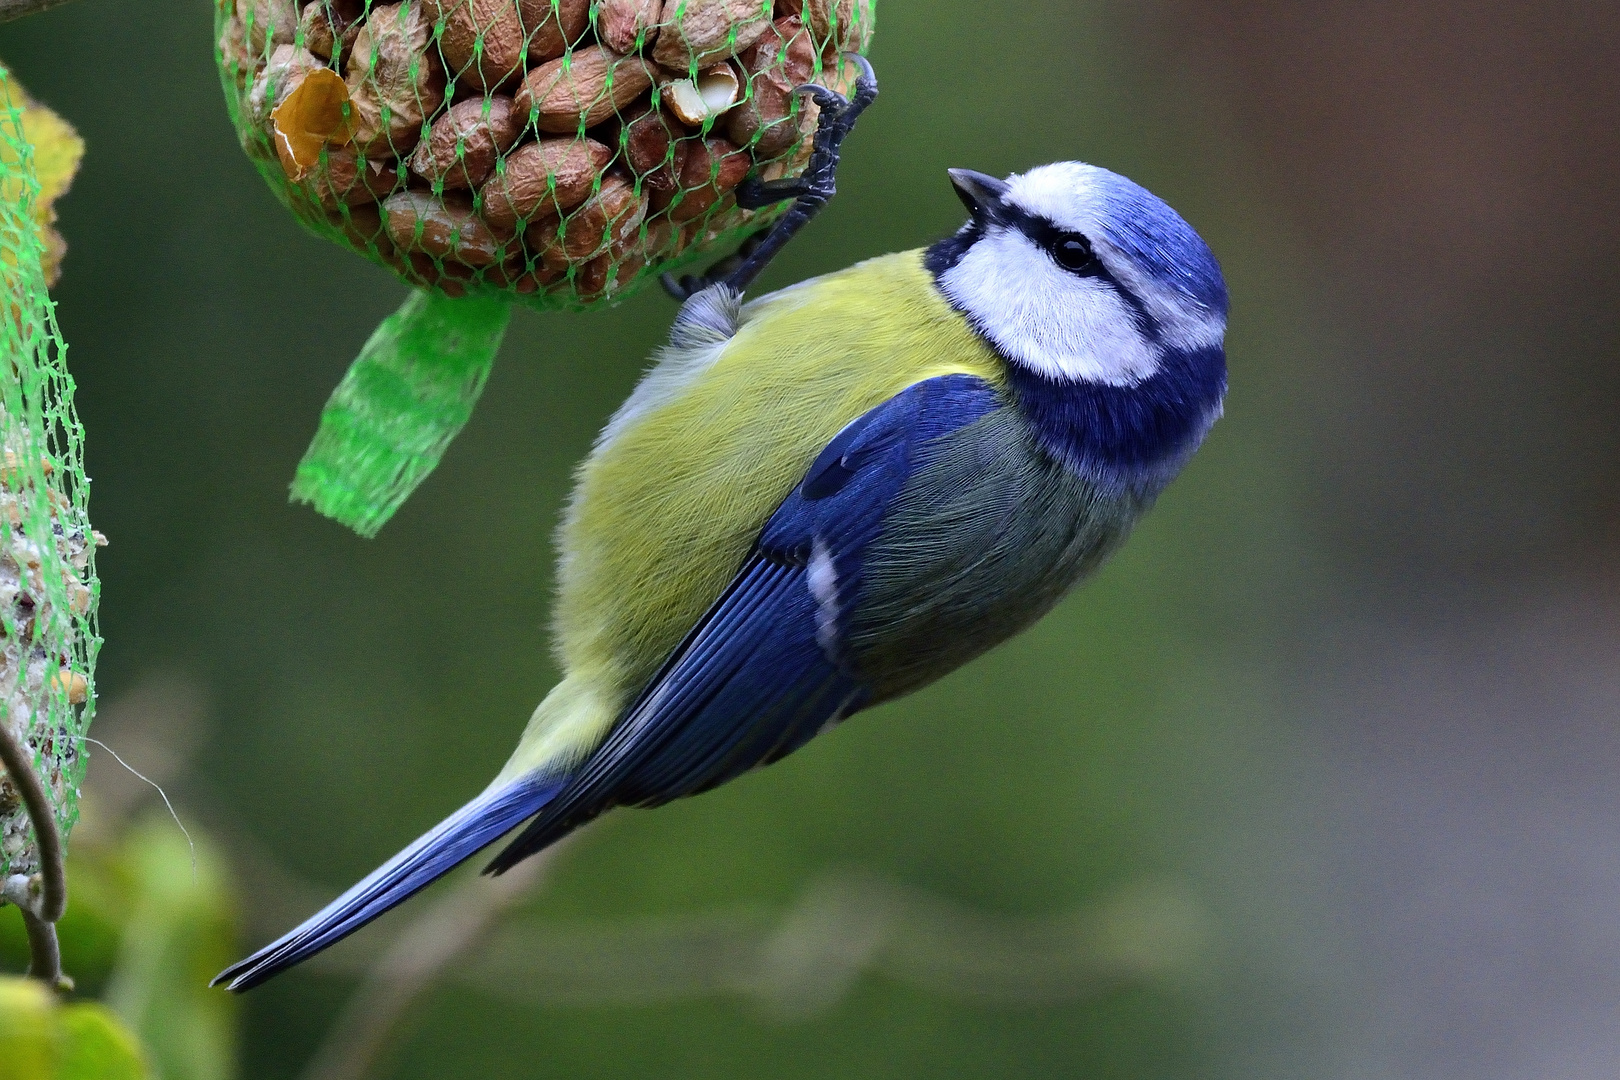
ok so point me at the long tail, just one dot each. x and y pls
(438, 851)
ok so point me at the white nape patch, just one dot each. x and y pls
(1062, 325)
(823, 581)
(1182, 325)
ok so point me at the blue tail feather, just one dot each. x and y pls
(438, 851)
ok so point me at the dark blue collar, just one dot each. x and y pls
(1126, 438)
(1123, 438)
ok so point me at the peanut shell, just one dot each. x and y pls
(420, 269)
(627, 26)
(605, 222)
(840, 76)
(269, 23)
(549, 176)
(712, 170)
(287, 68)
(654, 146)
(345, 179)
(443, 228)
(543, 232)
(777, 64)
(809, 116)
(837, 26)
(662, 185)
(487, 42)
(464, 142)
(696, 33)
(312, 116)
(240, 62)
(329, 29)
(496, 24)
(606, 274)
(662, 240)
(363, 227)
(646, 139)
(582, 90)
(553, 32)
(393, 65)
(523, 276)
(696, 100)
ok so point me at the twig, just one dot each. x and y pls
(438, 937)
(805, 960)
(44, 953)
(53, 894)
(39, 912)
(16, 9)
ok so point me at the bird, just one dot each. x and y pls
(825, 498)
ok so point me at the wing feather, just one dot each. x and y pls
(760, 673)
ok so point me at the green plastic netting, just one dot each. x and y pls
(561, 153)
(48, 586)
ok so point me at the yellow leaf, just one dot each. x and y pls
(312, 116)
(99, 1046)
(41, 1039)
(57, 152)
(29, 1040)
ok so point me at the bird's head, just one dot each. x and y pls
(1079, 275)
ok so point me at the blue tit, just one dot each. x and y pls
(828, 497)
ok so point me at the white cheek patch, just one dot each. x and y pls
(1065, 326)
(1071, 195)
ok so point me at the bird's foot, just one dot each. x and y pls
(689, 285)
(810, 191)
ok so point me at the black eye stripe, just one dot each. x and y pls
(945, 255)
(1072, 252)
(1047, 236)
(1055, 242)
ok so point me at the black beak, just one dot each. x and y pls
(981, 194)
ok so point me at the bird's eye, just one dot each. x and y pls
(1073, 252)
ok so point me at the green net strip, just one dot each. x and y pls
(406, 396)
(48, 586)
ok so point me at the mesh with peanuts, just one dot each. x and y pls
(48, 585)
(562, 151)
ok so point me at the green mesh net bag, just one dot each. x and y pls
(561, 153)
(48, 587)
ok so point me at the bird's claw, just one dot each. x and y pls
(688, 285)
(811, 190)
(679, 288)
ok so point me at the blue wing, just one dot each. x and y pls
(765, 669)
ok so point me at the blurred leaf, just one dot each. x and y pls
(98, 1046)
(100, 885)
(41, 1040)
(181, 930)
(28, 1035)
(57, 152)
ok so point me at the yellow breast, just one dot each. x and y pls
(671, 501)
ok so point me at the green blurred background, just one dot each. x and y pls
(1311, 778)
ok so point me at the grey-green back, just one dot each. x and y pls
(985, 537)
